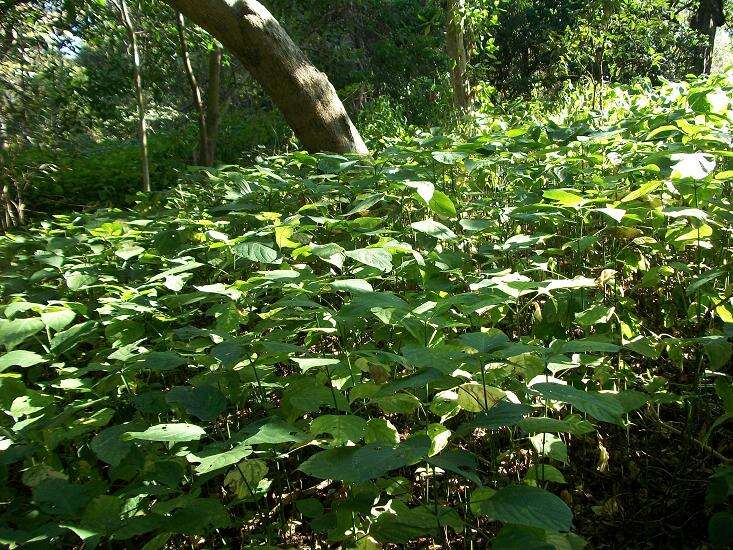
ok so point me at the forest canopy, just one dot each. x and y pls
(366, 274)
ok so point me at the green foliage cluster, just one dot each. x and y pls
(373, 351)
(67, 72)
(95, 174)
(89, 174)
(542, 44)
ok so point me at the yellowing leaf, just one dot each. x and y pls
(566, 198)
(282, 237)
(701, 232)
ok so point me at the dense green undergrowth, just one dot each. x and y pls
(443, 344)
(94, 174)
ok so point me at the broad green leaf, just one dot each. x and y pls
(565, 198)
(203, 402)
(221, 289)
(213, 462)
(613, 213)
(272, 431)
(642, 191)
(331, 253)
(485, 342)
(308, 363)
(20, 358)
(441, 204)
(173, 433)
(255, 252)
(15, 332)
(129, 251)
(309, 507)
(279, 274)
(76, 280)
(439, 436)
(577, 282)
(60, 498)
(378, 258)
(57, 318)
(185, 267)
(103, 515)
(379, 430)
(67, 340)
(511, 537)
(698, 233)
(174, 283)
(365, 204)
(448, 157)
(544, 472)
(400, 403)
(524, 505)
(423, 188)
(602, 406)
(576, 426)
(692, 165)
(685, 213)
(434, 229)
(475, 397)
(504, 413)
(109, 445)
(352, 285)
(400, 524)
(586, 345)
(357, 464)
(282, 237)
(550, 446)
(342, 428)
(595, 315)
(245, 477)
(460, 462)
(159, 361)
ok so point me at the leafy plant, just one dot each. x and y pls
(365, 351)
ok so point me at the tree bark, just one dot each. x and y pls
(304, 94)
(213, 101)
(3, 131)
(142, 121)
(198, 102)
(706, 20)
(455, 44)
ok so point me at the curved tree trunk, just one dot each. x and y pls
(304, 94)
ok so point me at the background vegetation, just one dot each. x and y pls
(509, 325)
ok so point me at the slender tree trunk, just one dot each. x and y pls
(142, 121)
(8, 220)
(455, 44)
(304, 94)
(3, 131)
(19, 204)
(706, 20)
(204, 148)
(213, 101)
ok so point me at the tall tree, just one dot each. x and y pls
(124, 14)
(706, 19)
(213, 101)
(208, 108)
(304, 94)
(456, 46)
(204, 149)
